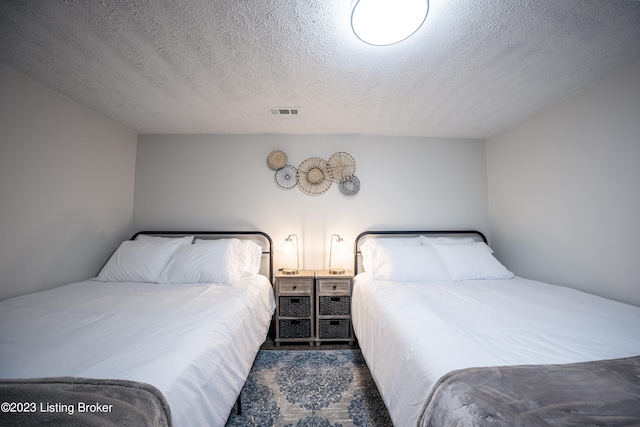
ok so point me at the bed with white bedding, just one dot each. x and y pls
(427, 310)
(187, 320)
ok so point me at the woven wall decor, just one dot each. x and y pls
(315, 175)
(287, 177)
(350, 186)
(277, 159)
(342, 166)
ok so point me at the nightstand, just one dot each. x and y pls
(333, 307)
(295, 319)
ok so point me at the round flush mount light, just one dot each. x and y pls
(386, 22)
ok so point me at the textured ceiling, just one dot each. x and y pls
(204, 66)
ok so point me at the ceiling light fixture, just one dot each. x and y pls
(386, 22)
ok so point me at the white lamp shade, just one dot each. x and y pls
(292, 255)
(337, 255)
(287, 245)
(385, 22)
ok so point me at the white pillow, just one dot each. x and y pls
(451, 241)
(139, 260)
(471, 262)
(209, 261)
(426, 240)
(186, 240)
(252, 253)
(249, 254)
(369, 248)
(410, 264)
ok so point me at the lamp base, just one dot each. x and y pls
(289, 271)
(336, 271)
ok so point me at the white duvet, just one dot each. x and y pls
(413, 333)
(195, 343)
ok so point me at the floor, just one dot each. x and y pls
(310, 388)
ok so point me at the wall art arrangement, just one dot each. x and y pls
(314, 176)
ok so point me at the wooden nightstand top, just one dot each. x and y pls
(325, 274)
(302, 274)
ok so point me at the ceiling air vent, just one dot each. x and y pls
(285, 111)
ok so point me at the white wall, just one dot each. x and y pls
(564, 191)
(66, 187)
(223, 182)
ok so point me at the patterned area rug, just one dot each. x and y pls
(324, 388)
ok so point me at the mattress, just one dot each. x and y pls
(195, 343)
(411, 334)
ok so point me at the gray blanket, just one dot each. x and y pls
(600, 393)
(70, 401)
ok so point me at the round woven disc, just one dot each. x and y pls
(287, 177)
(277, 159)
(342, 166)
(350, 187)
(314, 177)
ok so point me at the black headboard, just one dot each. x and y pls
(258, 237)
(362, 237)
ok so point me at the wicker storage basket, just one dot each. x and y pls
(335, 328)
(295, 328)
(295, 306)
(335, 305)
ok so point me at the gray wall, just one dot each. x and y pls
(564, 191)
(558, 194)
(223, 182)
(66, 187)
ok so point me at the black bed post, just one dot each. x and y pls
(239, 404)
